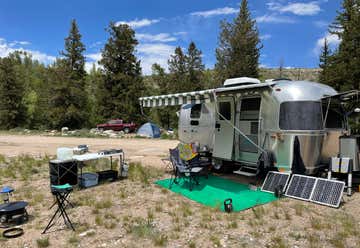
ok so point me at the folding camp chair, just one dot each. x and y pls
(182, 169)
(61, 193)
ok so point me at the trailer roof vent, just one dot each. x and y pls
(231, 82)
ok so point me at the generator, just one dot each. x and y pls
(349, 148)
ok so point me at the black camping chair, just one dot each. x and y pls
(61, 193)
(184, 169)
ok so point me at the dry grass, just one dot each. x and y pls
(43, 242)
(137, 213)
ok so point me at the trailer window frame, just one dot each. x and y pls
(195, 111)
(301, 115)
(333, 115)
(225, 110)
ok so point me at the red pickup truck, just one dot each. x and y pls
(118, 125)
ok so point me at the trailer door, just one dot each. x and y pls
(249, 125)
(224, 131)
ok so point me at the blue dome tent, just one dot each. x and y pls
(149, 130)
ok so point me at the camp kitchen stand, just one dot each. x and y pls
(69, 167)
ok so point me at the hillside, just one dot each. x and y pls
(209, 81)
(311, 74)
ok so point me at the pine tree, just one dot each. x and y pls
(186, 70)
(118, 96)
(177, 62)
(73, 54)
(325, 54)
(346, 60)
(165, 116)
(325, 76)
(239, 47)
(11, 95)
(94, 80)
(195, 67)
(69, 101)
(178, 71)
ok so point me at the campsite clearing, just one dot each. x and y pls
(137, 213)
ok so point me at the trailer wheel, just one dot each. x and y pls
(126, 130)
(217, 164)
(220, 166)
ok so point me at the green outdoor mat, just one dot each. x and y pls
(213, 191)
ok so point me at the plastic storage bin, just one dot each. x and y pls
(88, 179)
(64, 153)
(107, 175)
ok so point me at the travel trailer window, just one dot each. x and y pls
(301, 115)
(195, 111)
(250, 108)
(335, 118)
(225, 110)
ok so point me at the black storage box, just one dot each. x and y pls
(62, 172)
(107, 175)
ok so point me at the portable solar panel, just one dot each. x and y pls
(274, 179)
(300, 187)
(328, 192)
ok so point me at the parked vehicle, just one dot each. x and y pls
(117, 125)
(299, 122)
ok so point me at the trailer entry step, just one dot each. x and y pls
(246, 171)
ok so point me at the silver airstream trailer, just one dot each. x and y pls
(298, 121)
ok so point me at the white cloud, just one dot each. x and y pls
(321, 24)
(265, 37)
(89, 65)
(93, 56)
(181, 33)
(153, 49)
(6, 48)
(274, 19)
(332, 39)
(42, 57)
(95, 44)
(154, 53)
(162, 37)
(148, 53)
(16, 43)
(302, 9)
(139, 23)
(215, 12)
(92, 59)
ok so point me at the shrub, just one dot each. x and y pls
(43, 242)
(137, 172)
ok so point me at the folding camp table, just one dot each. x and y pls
(78, 161)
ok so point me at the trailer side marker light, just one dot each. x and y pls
(277, 89)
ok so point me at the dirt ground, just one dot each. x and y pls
(146, 151)
(136, 213)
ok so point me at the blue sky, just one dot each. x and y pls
(291, 31)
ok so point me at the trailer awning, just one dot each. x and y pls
(352, 95)
(203, 96)
(194, 97)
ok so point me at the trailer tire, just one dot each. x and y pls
(221, 166)
(126, 130)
